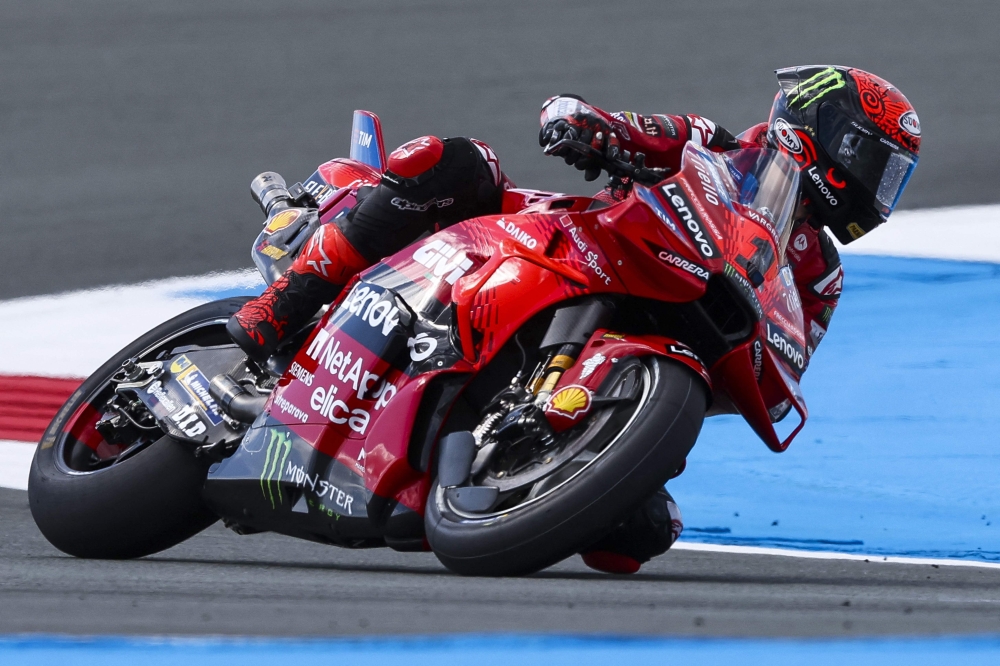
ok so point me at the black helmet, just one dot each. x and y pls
(856, 139)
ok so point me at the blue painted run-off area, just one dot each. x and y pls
(494, 651)
(900, 454)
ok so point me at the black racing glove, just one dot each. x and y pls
(569, 117)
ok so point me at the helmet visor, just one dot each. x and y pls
(880, 166)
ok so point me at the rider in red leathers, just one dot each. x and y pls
(854, 136)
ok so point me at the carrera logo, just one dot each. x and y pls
(444, 260)
(789, 349)
(786, 136)
(696, 231)
(910, 123)
(671, 259)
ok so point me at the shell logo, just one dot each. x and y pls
(570, 401)
(282, 220)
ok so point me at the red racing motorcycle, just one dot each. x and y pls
(503, 392)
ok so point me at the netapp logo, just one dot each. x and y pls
(696, 230)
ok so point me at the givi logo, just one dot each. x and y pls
(444, 260)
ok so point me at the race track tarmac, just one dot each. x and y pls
(129, 132)
(221, 583)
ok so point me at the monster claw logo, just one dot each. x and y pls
(278, 448)
(815, 87)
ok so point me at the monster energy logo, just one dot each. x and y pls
(816, 86)
(278, 449)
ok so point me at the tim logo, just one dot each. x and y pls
(364, 139)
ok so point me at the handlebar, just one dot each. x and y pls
(637, 172)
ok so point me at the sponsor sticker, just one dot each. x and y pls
(744, 286)
(570, 401)
(282, 220)
(910, 123)
(591, 364)
(786, 136)
(521, 236)
(671, 259)
(787, 347)
(187, 421)
(690, 220)
(443, 260)
(195, 383)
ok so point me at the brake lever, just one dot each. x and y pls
(623, 169)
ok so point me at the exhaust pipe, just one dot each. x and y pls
(235, 400)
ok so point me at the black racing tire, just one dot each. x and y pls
(140, 505)
(533, 537)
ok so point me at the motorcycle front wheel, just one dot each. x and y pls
(628, 450)
(94, 499)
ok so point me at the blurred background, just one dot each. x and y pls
(129, 131)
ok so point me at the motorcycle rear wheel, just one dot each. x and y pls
(140, 504)
(655, 440)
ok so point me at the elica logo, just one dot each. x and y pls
(279, 445)
(787, 137)
(910, 123)
(785, 346)
(823, 188)
(444, 260)
(683, 210)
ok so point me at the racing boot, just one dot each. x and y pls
(650, 531)
(314, 279)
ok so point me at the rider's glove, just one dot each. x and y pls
(569, 117)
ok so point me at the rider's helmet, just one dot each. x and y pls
(856, 138)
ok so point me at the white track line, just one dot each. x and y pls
(827, 555)
(15, 461)
(966, 233)
(72, 334)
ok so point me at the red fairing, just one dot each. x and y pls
(355, 388)
(571, 402)
(415, 157)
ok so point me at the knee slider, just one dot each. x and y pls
(416, 157)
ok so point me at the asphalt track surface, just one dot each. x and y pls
(130, 131)
(221, 583)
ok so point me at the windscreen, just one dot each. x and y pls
(766, 181)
